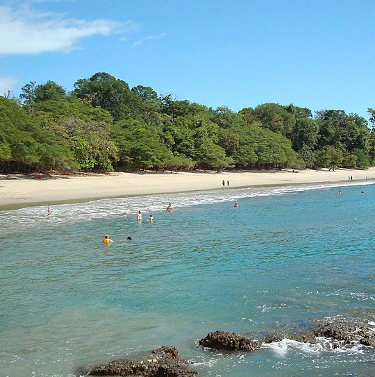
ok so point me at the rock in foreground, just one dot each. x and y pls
(224, 340)
(161, 362)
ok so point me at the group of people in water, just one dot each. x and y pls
(140, 217)
(107, 240)
(340, 192)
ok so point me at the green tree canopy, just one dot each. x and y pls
(105, 91)
(25, 146)
(276, 118)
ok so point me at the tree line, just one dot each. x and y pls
(104, 125)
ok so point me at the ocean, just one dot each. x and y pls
(288, 255)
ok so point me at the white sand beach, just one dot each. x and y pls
(18, 191)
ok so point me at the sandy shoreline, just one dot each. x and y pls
(18, 192)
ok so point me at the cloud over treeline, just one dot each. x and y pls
(27, 32)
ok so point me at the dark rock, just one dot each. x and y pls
(167, 352)
(161, 362)
(225, 340)
(303, 336)
(346, 330)
(274, 337)
(368, 341)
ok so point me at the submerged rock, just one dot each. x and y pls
(224, 340)
(161, 362)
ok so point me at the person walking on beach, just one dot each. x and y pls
(228, 183)
(223, 183)
(139, 216)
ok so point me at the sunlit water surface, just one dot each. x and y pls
(285, 256)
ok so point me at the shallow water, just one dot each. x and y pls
(285, 256)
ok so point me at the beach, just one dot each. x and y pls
(16, 191)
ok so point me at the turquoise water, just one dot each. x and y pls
(285, 256)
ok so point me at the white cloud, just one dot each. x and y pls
(28, 32)
(149, 38)
(7, 85)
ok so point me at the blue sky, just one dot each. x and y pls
(318, 54)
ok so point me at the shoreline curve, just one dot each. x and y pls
(16, 191)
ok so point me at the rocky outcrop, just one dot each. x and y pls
(165, 361)
(161, 362)
(224, 340)
(343, 332)
(346, 330)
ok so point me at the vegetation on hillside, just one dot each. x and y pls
(103, 125)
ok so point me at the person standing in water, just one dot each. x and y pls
(151, 219)
(49, 211)
(170, 207)
(107, 240)
(139, 216)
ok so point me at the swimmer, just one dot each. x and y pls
(151, 219)
(170, 207)
(340, 192)
(139, 216)
(107, 240)
(236, 204)
(128, 238)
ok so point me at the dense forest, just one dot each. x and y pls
(103, 125)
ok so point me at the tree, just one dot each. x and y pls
(262, 148)
(175, 108)
(211, 155)
(276, 118)
(305, 134)
(307, 155)
(346, 133)
(298, 112)
(28, 93)
(248, 115)
(107, 92)
(49, 91)
(371, 112)
(51, 111)
(90, 142)
(338, 128)
(146, 104)
(25, 146)
(140, 147)
(329, 157)
(225, 118)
